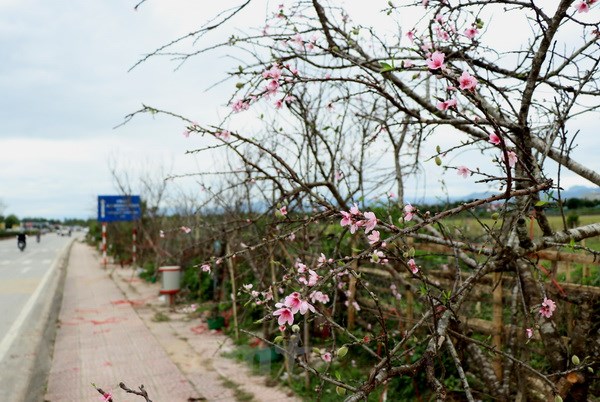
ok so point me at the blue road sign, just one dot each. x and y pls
(118, 208)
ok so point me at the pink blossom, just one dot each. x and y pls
(305, 307)
(313, 278)
(272, 87)
(323, 260)
(298, 39)
(225, 135)
(346, 218)
(413, 266)
(161, 233)
(285, 315)
(205, 268)
(463, 171)
(326, 357)
(278, 104)
(529, 333)
(425, 3)
(436, 61)
(582, 7)
(411, 36)
(354, 210)
(371, 221)
(439, 18)
(240, 105)
(409, 212)
(106, 397)
(186, 132)
(407, 63)
(374, 237)
(378, 257)
(512, 159)
(467, 81)
(283, 210)
(319, 296)
(293, 302)
(441, 34)
(547, 308)
(445, 105)
(274, 72)
(471, 32)
(185, 229)
(495, 139)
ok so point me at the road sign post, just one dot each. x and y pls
(118, 208)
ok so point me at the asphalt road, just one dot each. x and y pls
(21, 272)
(29, 292)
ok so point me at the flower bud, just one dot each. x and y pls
(438, 161)
(278, 339)
(342, 351)
(495, 216)
(296, 328)
(575, 360)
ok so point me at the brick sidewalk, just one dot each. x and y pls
(107, 334)
(103, 342)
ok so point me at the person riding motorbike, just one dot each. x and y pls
(21, 241)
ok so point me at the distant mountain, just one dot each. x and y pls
(591, 193)
(584, 192)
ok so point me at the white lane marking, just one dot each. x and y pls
(26, 262)
(24, 270)
(14, 330)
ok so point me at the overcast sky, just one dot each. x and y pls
(64, 85)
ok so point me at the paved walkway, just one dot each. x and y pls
(107, 334)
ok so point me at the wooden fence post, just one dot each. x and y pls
(231, 267)
(498, 322)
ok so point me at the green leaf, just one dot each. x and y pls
(340, 391)
(385, 67)
(541, 203)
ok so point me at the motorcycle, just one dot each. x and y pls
(21, 245)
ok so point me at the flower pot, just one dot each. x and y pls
(216, 322)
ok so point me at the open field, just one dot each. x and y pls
(474, 228)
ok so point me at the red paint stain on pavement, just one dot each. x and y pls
(107, 364)
(130, 302)
(200, 329)
(111, 320)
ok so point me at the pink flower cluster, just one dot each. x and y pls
(240, 105)
(547, 308)
(447, 104)
(291, 305)
(306, 275)
(495, 139)
(414, 268)
(356, 219)
(409, 212)
(584, 5)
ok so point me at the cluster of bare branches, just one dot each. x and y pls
(349, 115)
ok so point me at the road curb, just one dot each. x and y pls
(25, 370)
